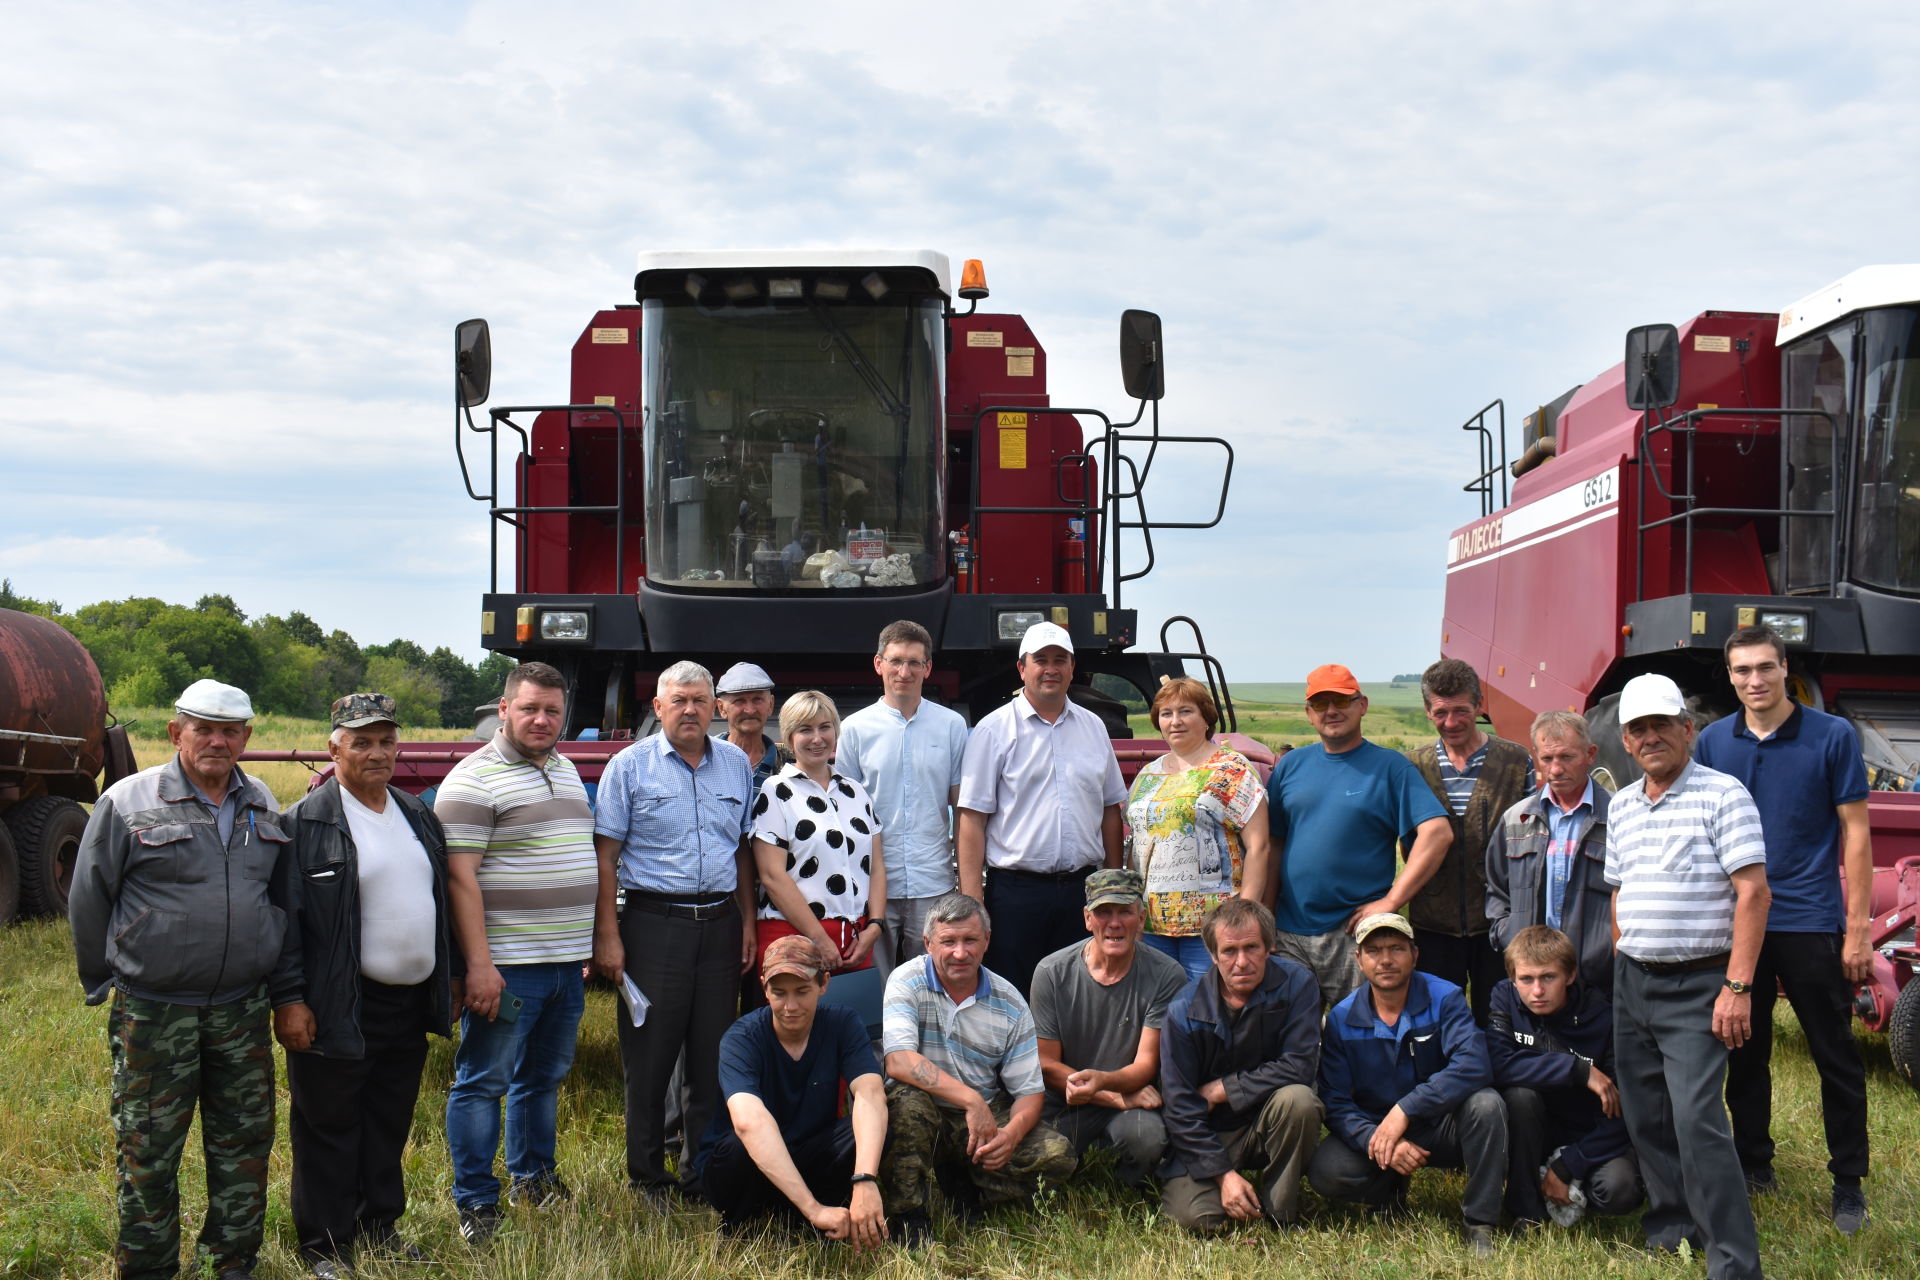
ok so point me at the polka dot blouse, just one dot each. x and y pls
(828, 835)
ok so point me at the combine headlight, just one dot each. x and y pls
(566, 624)
(1794, 628)
(1013, 624)
(783, 288)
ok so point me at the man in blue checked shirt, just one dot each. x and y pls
(906, 751)
(670, 832)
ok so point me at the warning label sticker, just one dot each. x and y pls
(1019, 366)
(1712, 342)
(1013, 441)
(611, 337)
(986, 338)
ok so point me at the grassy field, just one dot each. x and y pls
(1276, 714)
(57, 1215)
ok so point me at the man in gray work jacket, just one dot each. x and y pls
(179, 912)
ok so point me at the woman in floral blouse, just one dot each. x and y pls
(1196, 825)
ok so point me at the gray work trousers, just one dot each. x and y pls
(1671, 1071)
(1278, 1143)
(1473, 1138)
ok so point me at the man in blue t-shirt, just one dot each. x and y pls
(780, 1146)
(1338, 811)
(1804, 771)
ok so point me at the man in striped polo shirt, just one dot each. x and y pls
(521, 881)
(966, 1089)
(1687, 860)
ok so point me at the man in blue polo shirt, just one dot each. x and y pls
(1804, 771)
(1337, 811)
(670, 831)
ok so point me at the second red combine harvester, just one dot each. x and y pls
(1742, 467)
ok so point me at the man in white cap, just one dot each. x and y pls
(1039, 809)
(1687, 858)
(744, 697)
(181, 890)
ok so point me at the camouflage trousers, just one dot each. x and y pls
(923, 1137)
(166, 1059)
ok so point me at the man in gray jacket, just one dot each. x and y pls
(179, 912)
(1546, 861)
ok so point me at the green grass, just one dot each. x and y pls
(1276, 714)
(57, 1214)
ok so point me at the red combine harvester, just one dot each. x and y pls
(1744, 467)
(770, 456)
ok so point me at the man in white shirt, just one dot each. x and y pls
(907, 753)
(376, 957)
(1039, 809)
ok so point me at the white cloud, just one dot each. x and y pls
(133, 550)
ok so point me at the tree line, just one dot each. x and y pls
(148, 650)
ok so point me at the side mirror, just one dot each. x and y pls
(1653, 366)
(1142, 365)
(473, 361)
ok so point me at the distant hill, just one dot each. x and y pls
(1379, 693)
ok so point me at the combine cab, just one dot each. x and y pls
(771, 456)
(1743, 467)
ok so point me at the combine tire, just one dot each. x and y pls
(1903, 1032)
(9, 879)
(46, 833)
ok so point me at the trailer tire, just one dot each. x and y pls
(1903, 1032)
(46, 835)
(9, 879)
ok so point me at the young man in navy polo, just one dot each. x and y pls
(1804, 771)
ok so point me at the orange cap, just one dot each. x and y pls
(1331, 678)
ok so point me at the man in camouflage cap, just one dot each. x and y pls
(181, 890)
(1097, 1010)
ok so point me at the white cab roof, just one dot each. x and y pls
(1855, 291)
(801, 260)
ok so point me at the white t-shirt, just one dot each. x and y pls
(396, 894)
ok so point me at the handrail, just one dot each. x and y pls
(1688, 425)
(1216, 672)
(1482, 484)
(508, 515)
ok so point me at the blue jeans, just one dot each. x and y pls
(1190, 952)
(523, 1061)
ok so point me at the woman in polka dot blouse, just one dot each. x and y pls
(817, 844)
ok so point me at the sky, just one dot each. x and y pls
(235, 239)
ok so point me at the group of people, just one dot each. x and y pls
(1470, 956)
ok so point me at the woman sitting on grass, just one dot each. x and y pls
(1196, 825)
(817, 844)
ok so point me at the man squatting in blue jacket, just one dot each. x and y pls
(1551, 1040)
(1405, 1081)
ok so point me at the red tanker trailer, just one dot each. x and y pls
(54, 744)
(1743, 467)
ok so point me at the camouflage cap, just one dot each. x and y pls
(794, 954)
(357, 710)
(1116, 885)
(1381, 920)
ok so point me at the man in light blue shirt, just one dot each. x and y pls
(670, 830)
(907, 752)
(1546, 860)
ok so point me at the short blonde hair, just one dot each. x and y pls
(805, 706)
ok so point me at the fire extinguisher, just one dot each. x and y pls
(962, 562)
(1073, 558)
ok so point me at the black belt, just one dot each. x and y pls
(1042, 877)
(685, 906)
(1696, 965)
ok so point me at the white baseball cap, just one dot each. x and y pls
(211, 700)
(1650, 695)
(1042, 634)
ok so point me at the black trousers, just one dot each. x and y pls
(349, 1123)
(1469, 962)
(734, 1185)
(1033, 917)
(1612, 1188)
(689, 970)
(1807, 966)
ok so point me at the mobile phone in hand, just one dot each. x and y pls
(509, 1010)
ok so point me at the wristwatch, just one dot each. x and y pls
(859, 1178)
(1739, 988)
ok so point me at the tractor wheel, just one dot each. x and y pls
(1903, 1032)
(46, 834)
(9, 879)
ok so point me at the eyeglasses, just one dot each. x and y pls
(1332, 701)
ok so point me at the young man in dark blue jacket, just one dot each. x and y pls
(1405, 1080)
(1551, 1040)
(1238, 1052)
